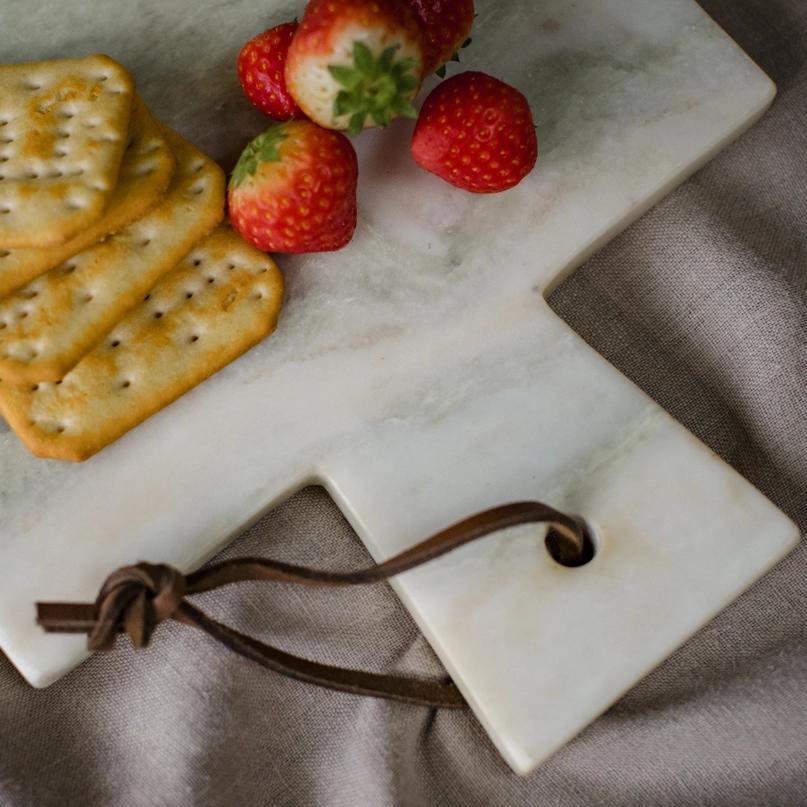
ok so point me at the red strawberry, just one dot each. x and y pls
(355, 63)
(446, 27)
(262, 72)
(477, 133)
(294, 189)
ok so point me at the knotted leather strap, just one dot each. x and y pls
(136, 598)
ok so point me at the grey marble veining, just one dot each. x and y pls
(420, 375)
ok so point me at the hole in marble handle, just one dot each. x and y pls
(563, 552)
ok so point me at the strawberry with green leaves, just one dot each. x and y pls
(356, 63)
(446, 27)
(294, 189)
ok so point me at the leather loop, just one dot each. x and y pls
(135, 599)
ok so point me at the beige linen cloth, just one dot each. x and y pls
(703, 303)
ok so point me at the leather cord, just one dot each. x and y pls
(135, 599)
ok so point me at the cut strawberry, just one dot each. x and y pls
(354, 64)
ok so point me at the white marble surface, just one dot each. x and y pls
(421, 376)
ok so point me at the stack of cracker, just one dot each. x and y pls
(120, 288)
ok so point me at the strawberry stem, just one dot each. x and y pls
(379, 88)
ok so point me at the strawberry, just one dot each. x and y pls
(354, 63)
(446, 27)
(294, 189)
(261, 69)
(477, 133)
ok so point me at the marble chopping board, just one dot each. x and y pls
(420, 375)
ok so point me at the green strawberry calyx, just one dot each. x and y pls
(376, 87)
(263, 149)
(441, 71)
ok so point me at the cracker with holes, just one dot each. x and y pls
(147, 167)
(220, 301)
(63, 127)
(49, 324)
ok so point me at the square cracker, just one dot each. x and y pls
(63, 126)
(222, 299)
(147, 167)
(48, 325)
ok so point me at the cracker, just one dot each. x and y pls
(217, 303)
(48, 325)
(63, 128)
(145, 172)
